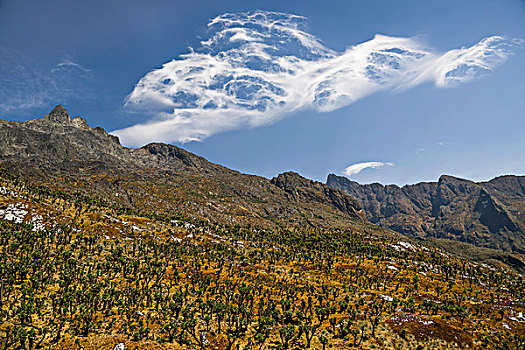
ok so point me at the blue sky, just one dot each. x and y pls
(90, 56)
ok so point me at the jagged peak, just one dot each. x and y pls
(290, 177)
(450, 178)
(80, 122)
(59, 115)
(289, 174)
(333, 178)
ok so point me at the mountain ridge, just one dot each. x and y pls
(488, 214)
(67, 152)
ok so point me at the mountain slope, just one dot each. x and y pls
(78, 274)
(66, 153)
(488, 214)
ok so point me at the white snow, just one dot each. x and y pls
(14, 212)
(405, 245)
(386, 297)
(37, 222)
(518, 318)
(205, 341)
(120, 346)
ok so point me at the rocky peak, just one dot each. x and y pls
(290, 181)
(58, 137)
(299, 188)
(59, 115)
(167, 152)
(333, 179)
(80, 123)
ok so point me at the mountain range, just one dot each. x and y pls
(67, 154)
(487, 214)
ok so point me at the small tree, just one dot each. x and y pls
(323, 339)
(286, 334)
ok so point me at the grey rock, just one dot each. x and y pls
(488, 214)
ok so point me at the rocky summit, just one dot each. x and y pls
(488, 214)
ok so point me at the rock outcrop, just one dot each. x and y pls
(300, 189)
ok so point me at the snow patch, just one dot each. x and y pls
(37, 222)
(120, 346)
(386, 297)
(406, 245)
(14, 212)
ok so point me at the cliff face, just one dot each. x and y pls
(300, 189)
(489, 214)
(68, 154)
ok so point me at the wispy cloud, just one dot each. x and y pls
(23, 86)
(257, 67)
(68, 64)
(358, 167)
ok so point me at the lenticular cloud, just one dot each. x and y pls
(257, 67)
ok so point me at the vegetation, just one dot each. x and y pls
(77, 273)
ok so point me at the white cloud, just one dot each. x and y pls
(67, 63)
(255, 68)
(358, 167)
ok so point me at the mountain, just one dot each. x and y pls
(79, 274)
(95, 257)
(69, 155)
(487, 214)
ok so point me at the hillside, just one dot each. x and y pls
(80, 274)
(488, 214)
(67, 154)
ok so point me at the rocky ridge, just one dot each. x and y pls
(67, 153)
(488, 214)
